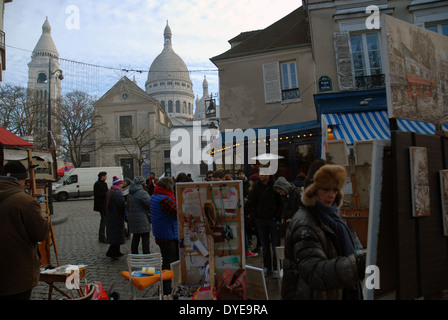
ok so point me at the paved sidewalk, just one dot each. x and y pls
(75, 226)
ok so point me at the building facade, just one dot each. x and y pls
(347, 43)
(266, 81)
(133, 131)
(2, 38)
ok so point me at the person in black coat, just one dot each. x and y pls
(115, 214)
(99, 203)
(321, 261)
(265, 206)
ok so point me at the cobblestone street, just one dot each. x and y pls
(75, 226)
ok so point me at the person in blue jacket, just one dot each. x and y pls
(164, 224)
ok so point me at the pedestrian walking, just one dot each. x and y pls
(164, 224)
(115, 215)
(138, 215)
(265, 204)
(320, 257)
(100, 189)
(290, 195)
(22, 227)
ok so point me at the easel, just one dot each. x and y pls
(356, 217)
(44, 247)
(211, 229)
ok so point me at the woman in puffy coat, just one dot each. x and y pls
(138, 215)
(320, 257)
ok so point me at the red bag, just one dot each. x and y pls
(99, 294)
(232, 285)
(205, 293)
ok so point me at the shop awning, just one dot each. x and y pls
(416, 126)
(364, 126)
(359, 126)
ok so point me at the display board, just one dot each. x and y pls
(211, 233)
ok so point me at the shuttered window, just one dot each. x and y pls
(280, 81)
(272, 85)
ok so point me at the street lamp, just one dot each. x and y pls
(60, 77)
(210, 107)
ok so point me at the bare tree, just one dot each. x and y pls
(139, 145)
(78, 125)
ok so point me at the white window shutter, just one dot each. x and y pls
(344, 60)
(271, 79)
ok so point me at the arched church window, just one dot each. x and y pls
(170, 106)
(185, 107)
(162, 103)
(178, 106)
(41, 78)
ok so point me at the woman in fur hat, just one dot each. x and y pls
(320, 257)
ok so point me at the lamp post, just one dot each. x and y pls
(210, 107)
(60, 77)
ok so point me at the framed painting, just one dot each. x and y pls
(444, 197)
(419, 181)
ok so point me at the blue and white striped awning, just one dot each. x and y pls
(359, 126)
(416, 126)
(364, 126)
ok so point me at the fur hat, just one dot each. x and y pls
(328, 176)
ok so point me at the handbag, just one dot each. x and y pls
(232, 285)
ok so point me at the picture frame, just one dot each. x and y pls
(421, 205)
(444, 198)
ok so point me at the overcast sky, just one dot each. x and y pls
(128, 34)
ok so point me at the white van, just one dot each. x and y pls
(78, 182)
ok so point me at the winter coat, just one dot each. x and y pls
(264, 203)
(165, 226)
(99, 195)
(115, 215)
(291, 202)
(21, 228)
(314, 266)
(138, 209)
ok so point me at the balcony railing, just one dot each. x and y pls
(290, 94)
(370, 82)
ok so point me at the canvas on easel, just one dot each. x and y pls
(211, 232)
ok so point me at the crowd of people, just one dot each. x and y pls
(321, 260)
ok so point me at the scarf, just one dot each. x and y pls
(111, 192)
(330, 216)
(166, 192)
